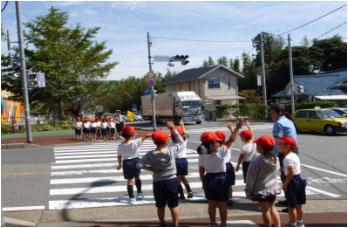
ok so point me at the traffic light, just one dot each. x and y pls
(180, 58)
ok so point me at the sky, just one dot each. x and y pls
(124, 26)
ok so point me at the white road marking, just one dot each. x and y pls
(84, 172)
(324, 170)
(322, 192)
(107, 155)
(26, 208)
(91, 165)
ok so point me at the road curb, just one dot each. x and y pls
(8, 221)
(18, 145)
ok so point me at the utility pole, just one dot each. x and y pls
(152, 87)
(292, 88)
(264, 92)
(23, 74)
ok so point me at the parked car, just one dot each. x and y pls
(341, 111)
(320, 120)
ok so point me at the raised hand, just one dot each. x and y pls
(170, 125)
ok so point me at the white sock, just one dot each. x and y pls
(299, 221)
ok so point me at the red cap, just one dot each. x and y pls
(288, 140)
(221, 135)
(209, 137)
(248, 134)
(160, 136)
(78, 118)
(129, 129)
(180, 130)
(265, 141)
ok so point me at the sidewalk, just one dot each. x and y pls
(244, 213)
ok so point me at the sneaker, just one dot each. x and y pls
(213, 224)
(290, 225)
(189, 195)
(131, 201)
(300, 224)
(140, 196)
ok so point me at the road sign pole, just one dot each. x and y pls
(264, 92)
(24, 74)
(152, 87)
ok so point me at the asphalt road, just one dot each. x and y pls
(26, 173)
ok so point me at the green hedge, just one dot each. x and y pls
(60, 125)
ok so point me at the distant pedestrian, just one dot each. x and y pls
(112, 126)
(120, 119)
(98, 127)
(161, 162)
(93, 132)
(283, 126)
(248, 151)
(86, 128)
(128, 157)
(261, 181)
(294, 186)
(104, 128)
(78, 128)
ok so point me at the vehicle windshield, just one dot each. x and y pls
(329, 114)
(191, 104)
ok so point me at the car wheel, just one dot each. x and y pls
(198, 122)
(330, 130)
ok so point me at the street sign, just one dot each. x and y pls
(258, 80)
(151, 82)
(150, 75)
(41, 80)
(134, 107)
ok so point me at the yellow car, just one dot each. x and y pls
(320, 120)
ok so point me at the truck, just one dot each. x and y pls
(186, 104)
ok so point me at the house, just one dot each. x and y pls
(216, 85)
(330, 86)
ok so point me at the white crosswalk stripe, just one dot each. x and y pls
(86, 176)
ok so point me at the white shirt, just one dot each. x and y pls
(104, 125)
(99, 124)
(228, 156)
(112, 124)
(181, 152)
(215, 162)
(248, 150)
(120, 118)
(94, 125)
(129, 150)
(291, 160)
(78, 125)
(86, 125)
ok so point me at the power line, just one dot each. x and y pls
(3, 8)
(207, 41)
(310, 22)
(332, 29)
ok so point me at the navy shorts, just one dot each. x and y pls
(112, 130)
(104, 131)
(130, 169)
(215, 186)
(86, 130)
(166, 192)
(181, 166)
(295, 193)
(245, 167)
(231, 176)
(261, 198)
(77, 131)
(93, 130)
(119, 127)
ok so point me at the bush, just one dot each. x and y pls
(43, 127)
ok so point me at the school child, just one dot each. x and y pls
(112, 126)
(78, 127)
(231, 176)
(104, 128)
(212, 171)
(120, 119)
(161, 162)
(248, 151)
(93, 130)
(98, 127)
(261, 180)
(294, 186)
(128, 158)
(86, 128)
(181, 162)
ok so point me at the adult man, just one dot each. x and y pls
(120, 119)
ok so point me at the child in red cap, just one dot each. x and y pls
(261, 180)
(78, 127)
(294, 186)
(248, 151)
(181, 160)
(93, 129)
(104, 128)
(161, 162)
(212, 171)
(128, 151)
(86, 128)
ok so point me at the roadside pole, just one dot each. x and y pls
(152, 87)
(291, 77)
(23, 74)
(264, 91)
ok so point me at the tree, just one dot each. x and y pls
(236, 65)
(305, 42)
(205, 64)
(69, 57)
(231, 64)
(223, 61)
(210, 62)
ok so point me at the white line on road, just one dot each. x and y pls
(322, 192)
(324, 170)
(27, 208)
(107, 155)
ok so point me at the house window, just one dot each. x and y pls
(214, 84)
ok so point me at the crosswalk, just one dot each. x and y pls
(85, 176)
